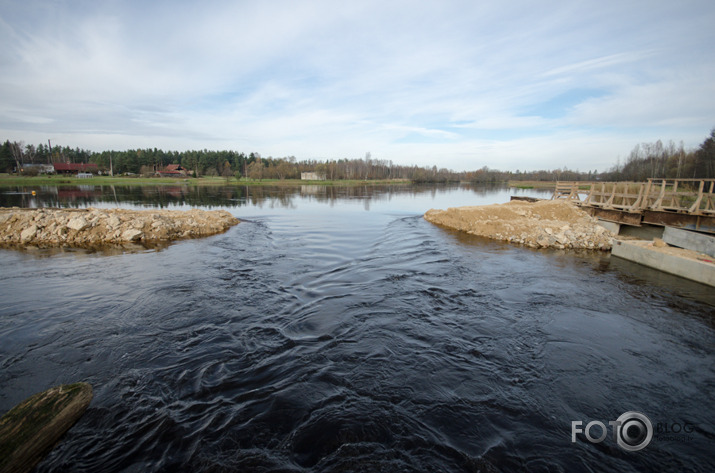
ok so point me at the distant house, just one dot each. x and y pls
(312, 176)
(173, 170)
(75, 168)
(40, 168)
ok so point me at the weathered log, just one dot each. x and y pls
(31, 429)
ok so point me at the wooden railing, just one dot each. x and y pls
(568, 190)
(691, 196)
(625, 196)
(694, 196)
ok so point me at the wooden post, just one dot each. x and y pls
(644, 204)
(696, 206)
(659, 202)
(587, 200)
(609, 203)
(637, 203)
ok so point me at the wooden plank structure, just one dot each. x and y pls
(625, 196)
(568, 190)
(684, 203)
(30, 430)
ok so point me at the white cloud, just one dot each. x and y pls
(590, 65)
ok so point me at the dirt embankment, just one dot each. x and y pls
(95, 227)
(543, 224)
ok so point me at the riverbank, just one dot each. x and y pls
(543, 224)
(7, 180)
(532, 184)
(47, 228)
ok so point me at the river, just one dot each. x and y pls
(334, 329)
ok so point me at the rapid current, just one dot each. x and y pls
(334, 330)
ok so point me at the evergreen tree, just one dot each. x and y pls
(7, 163)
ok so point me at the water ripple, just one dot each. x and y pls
(309, 342)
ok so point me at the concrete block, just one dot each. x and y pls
(644, 253)
(612, 227)
(643, 232)
(690, 240)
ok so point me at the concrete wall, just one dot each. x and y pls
(643, 253)
(644, 232)
(690, 240)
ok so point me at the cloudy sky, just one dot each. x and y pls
(460, 84)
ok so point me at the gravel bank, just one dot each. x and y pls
(47, 228)
(544, 224)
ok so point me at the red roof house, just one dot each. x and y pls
(173, 170)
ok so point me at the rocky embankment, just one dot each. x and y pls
(95, 227)
(543, 224)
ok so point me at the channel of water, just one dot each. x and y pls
(336, 330)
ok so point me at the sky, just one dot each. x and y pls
(511, 85)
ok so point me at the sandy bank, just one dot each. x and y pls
(47, 228)
(543, 224)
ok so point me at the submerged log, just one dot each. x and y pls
(30, 430)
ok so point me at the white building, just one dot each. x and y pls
(312, 176)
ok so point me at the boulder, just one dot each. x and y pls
(132, 235)
(113, 222)
(28, 233)
(77, 223)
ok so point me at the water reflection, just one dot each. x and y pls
(97, 250)
(637, 275)
(183, 195)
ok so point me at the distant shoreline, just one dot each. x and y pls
(532, 184)
(7, 180)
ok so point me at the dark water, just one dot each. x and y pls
(336, 330)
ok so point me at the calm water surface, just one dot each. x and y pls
(336, 330)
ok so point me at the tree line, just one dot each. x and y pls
(671, 161)
(646, 160)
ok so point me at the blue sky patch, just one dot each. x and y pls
(560, 105)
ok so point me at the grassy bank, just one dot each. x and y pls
(533, 184)
(336, 182)
(7, 180)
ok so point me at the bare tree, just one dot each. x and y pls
(226, 170)
(255, 169)
(17, 154)
(30, 153)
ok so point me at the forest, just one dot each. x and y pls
(646, 160)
